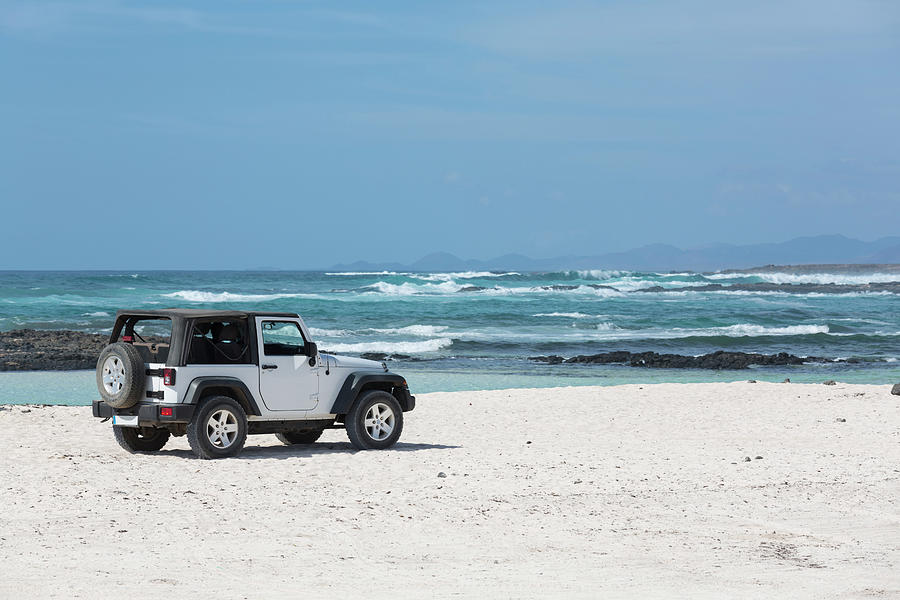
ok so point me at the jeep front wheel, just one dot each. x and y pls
(141, 439)
(375, 421)
(218, 429)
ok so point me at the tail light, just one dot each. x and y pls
(169, 376)
(165, 412)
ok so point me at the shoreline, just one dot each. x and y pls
(646, 491)
(69, 350)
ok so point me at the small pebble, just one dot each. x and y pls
(788, 380)
(746, 459)
(577, 481)
(758, 457)
(841, 420)
(442, 474)
(528, 442)
(830, 382)
(751, 381)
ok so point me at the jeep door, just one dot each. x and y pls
(286, 379)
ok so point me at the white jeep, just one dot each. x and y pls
(221, 375)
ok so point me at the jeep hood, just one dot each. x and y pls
(349, 362)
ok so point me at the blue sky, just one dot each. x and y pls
(301, 134)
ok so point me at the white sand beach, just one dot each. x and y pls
(628, 491)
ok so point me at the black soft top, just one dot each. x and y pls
(182, 322)
(199, 313)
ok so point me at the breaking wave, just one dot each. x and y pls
(592, 274)
(815, 278)
(601, 292)
(198, 296)
(730, 331)
(363, 273)
(412, 289)
(464, 275)
(320, 333)
(744, 329)
(415, 330)
(390, 347)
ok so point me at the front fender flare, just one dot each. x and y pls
(359, 380)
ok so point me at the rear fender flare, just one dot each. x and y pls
(234, 386)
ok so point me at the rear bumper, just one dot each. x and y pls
(148, 414)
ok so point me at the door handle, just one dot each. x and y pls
(270, 366)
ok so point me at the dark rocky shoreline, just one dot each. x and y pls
(720, 360)
(55, 350)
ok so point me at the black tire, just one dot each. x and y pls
(203, 437)
(123, 367)
(141, 439)
(295, 438)
(360, 435)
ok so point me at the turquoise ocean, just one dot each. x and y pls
(476, 330)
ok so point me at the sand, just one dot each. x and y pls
(628, 491)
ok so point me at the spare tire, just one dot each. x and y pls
(120, 375)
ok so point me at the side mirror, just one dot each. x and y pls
(311, 351)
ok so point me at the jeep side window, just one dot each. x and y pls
(282, 338)
(218, 343)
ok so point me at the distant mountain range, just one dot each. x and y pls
(822, 249)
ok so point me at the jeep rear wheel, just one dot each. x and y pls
(218, 429)
(141, 439)
(375, 421)
(120, 375)
(293, 438)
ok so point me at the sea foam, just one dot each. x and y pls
(424, 346)
(199, 296)
(412, 289)
(814, 278)
(462, 275)
(363, 273)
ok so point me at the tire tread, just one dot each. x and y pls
(354, 420)
(196, 435)
(128, 440)
(134, 380)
